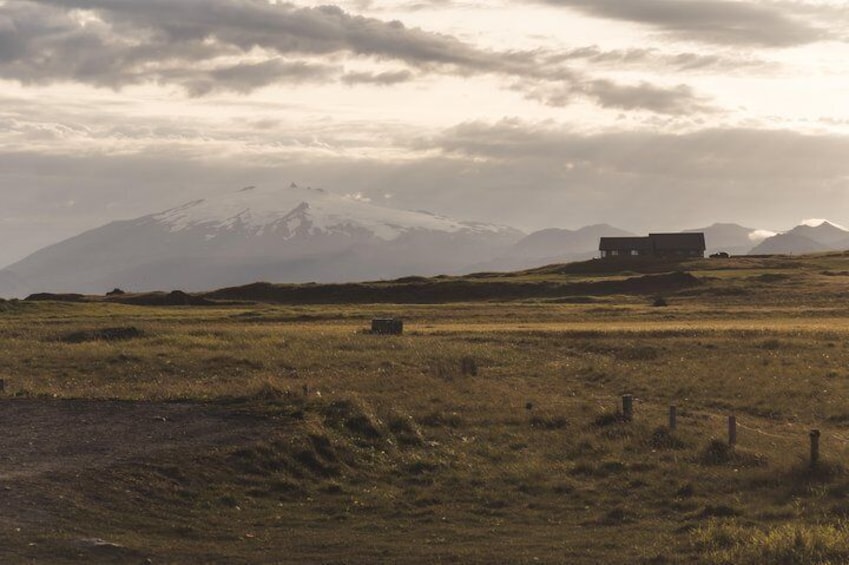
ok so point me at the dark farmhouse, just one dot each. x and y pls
(655, 245)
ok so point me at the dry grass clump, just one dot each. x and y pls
(441, 418)
(449, 368)
(732, 543)
(120, 333)
(355, 418)
(663, 438)
(486, 433)
(719, 452)
(548, 422)
(804, 478)
(405, 429)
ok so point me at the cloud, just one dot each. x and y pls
(527, 174)
(759, 235)
(653, 59)
(246, 77)
(723, 22)
(717, 154)
(385, 78)
(676, 100)
(239, 46)
(645, 96)
(358, 197)
(817, 222)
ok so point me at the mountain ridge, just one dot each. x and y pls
(300, 234)
(805, 238)
(292, 234)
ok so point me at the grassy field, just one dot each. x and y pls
(489, 432)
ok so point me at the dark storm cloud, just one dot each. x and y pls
(725, 22)
(241, 45)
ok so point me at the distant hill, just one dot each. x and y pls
(789, 244)
(553, 245)
(805, 238)
(825, 233)
(295, 235)
(12, 285)
(731, 238)
(552, 242)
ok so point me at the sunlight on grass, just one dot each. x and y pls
(730, 543)
(492, 420)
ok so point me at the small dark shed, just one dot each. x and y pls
(387, 326)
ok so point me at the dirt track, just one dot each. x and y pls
(52, 451)
(45, 436)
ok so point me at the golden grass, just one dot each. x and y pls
(415, 461)
(730, 543)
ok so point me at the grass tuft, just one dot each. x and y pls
(548, 422)
(356, 418)
(663, 438)
(405, 430)
(731, 543)
(104, 334)
(718, 452)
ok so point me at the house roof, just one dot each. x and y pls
(670, 241)
(621, 243)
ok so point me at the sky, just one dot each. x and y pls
(650, 115)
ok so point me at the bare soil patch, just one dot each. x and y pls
(41, 436)
(53, 451)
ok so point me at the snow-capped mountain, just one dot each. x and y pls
(295, 234)
(289, 234)
(296, 211)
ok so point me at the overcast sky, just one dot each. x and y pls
(646, 114)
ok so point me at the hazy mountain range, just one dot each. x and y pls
(805, 239)
(300, 234)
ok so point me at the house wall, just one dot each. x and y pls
(644, 253)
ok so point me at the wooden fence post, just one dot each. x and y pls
(732, 430)
(628, 407)
(673, 417)
(815, 447)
